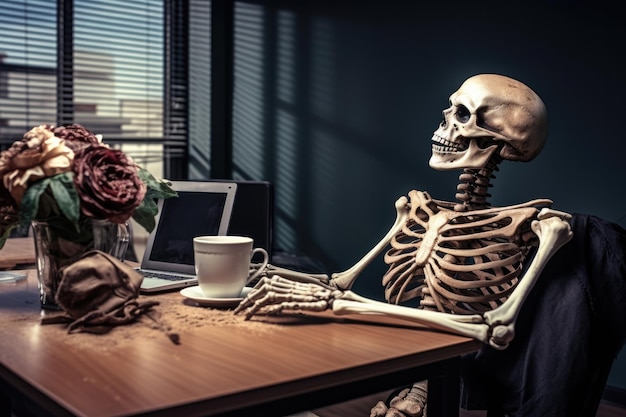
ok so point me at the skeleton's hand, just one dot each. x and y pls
(276, 294)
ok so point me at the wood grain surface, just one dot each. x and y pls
(17, 251)
(223, 363)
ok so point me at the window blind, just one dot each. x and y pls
(28, 76)
(118, 68)
(103, 63)
(114, 79)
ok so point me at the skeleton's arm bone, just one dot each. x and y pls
(344, 280)
(553, 233)
(271, 270)
(467, 325)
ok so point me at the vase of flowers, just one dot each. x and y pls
(78, 194)
(56, 249)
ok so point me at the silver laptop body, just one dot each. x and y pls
(201, 208)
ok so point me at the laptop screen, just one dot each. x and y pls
(173, 241)
(201, 208)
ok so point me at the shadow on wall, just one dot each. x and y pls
(336, 102)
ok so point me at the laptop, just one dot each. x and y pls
(202, 208)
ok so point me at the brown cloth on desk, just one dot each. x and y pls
(98, 292)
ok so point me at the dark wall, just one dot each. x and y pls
(348, 93)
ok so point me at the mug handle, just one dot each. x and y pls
(263, 264)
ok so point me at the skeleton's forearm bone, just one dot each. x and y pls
(344, 280)
(271, 270)
(467, 325)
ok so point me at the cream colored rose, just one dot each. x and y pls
(40, 154)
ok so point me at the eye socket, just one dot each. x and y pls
(462, 114)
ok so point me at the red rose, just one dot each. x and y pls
(107, 183)
(76, 136)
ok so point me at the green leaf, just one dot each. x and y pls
(30, 201)
(66, 196)
(144, 214)
(156, 188)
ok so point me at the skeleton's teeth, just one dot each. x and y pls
(441, 144)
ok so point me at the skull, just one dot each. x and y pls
(489, 113)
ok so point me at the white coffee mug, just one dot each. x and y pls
(223, 264)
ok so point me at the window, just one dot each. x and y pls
(28, 75)
(113, 72)
(117, 87)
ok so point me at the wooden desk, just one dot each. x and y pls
(17, 251)
(224, 366)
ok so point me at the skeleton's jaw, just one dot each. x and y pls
(448, 155)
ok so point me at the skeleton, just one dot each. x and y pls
(469, 266)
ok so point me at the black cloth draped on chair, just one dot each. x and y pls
(568, 334)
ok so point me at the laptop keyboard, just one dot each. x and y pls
(152, 274)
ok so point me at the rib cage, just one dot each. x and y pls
(454, 262)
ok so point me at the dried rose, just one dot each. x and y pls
(76, 136)
(38, 155)
(107, 183)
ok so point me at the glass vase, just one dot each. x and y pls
(57, 246)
